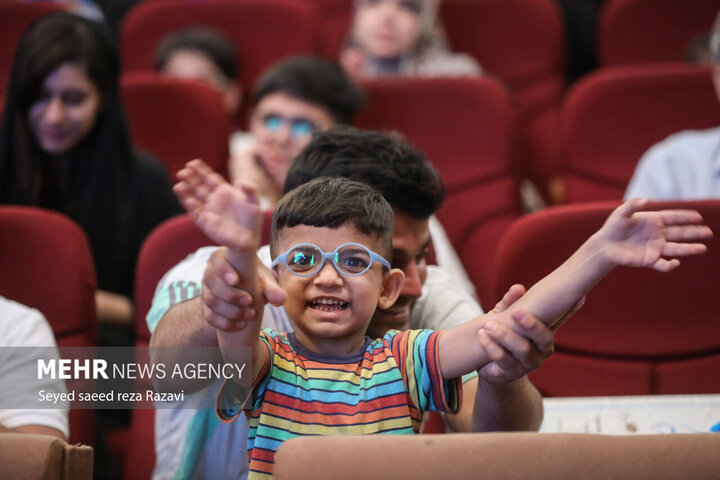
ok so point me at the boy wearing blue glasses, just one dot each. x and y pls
(292, 99)
(330, 241)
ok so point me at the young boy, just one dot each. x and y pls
(330, 240)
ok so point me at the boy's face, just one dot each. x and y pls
(195, 65)
(281, 126)
(331, 311)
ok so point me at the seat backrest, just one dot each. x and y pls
(503, 455)
(640, 331)
(164, 247)
(263, 31)
(612, 116)
(15, 17)
(650, 31)
(50, 253)
(46, 264)
(465, 126)
(520, 41)
(176, 120)
(168, 244)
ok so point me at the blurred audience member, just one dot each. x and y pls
(686, 165)
(401, 37)
(65, 146)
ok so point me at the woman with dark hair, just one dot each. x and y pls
(65, 146)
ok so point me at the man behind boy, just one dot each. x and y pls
(328, 378)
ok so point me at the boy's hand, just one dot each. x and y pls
(229, 216)
(652, 238)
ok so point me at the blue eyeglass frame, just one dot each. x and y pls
(273, 123)
(374, 257)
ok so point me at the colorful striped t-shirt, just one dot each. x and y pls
(383, 388)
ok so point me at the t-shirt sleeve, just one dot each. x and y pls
(416, 352)
(180, 283)
(26, 327)
(233, 398)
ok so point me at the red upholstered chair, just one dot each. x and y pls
(640, 331)
(164, 248)
(612, 116)
(264, 31)
(650, 31)
(176, 120)
(45, 263)
(15, 17)
(465, 127)
(521, 42)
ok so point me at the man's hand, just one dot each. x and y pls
(225, 305)
(520, 348)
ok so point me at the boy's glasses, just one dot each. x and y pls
(349, 259)
(299, 127)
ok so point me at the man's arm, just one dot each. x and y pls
(628, 237)
(503, 398)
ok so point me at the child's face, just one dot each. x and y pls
(387, 28)
(195, 65)
(331, 311)
(66, 110)
(281, 126)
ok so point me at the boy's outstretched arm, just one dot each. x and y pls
(231, 217)
(629, 237)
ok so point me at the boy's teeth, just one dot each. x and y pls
(328, 304)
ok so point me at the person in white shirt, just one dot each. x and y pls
(686, 165)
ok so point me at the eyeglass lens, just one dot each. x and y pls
(299, 127)
(350, 259)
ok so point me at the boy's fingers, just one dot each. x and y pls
(679, 233)
(672, 249)
(663, 265)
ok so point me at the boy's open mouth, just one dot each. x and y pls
(328, 304)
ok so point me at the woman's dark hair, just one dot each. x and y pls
(208, 41)
(93, 181)
(313, 80)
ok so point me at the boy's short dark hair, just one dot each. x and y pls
(333, 202)
(384, 161)
(205, 40)
(313, 80)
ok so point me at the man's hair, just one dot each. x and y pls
(313, 80)
(334, 202)
(383, 161)
(715, 41)
(208, 41)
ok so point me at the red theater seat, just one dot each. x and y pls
(465, 126)
(612, 116)
(15, 17)
(651, 31)
(263, 31)
(176, 120)
(45, 263)
(640, 331)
